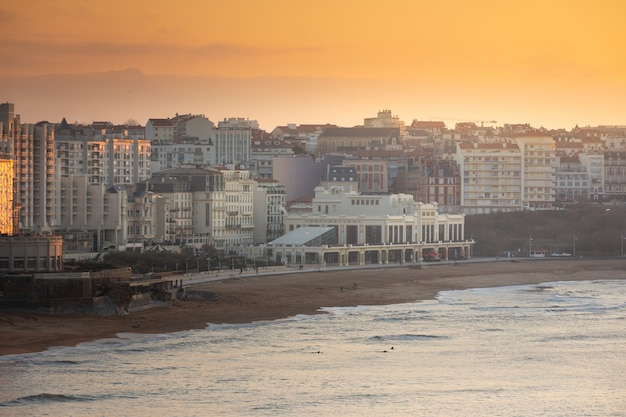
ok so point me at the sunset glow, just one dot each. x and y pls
(539, 62)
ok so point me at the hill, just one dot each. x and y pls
(586, 229)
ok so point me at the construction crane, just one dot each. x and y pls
(482, 122)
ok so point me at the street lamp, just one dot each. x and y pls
(574, 251)
(530, 245)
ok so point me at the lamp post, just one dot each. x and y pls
(530, 245)
(574, 250)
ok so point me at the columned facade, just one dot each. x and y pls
(376, 229)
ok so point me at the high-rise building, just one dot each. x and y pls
(491, 177)
(539, 165)
(233, 141)
(35, 184)
(105, 160)
(6, 195)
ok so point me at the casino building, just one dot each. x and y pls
(350, 228)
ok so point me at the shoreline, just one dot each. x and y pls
(253, 298)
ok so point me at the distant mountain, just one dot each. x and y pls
(117, 96)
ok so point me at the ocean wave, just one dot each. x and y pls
(45, 398)
(408, 337)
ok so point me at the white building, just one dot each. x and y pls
(538, 170)
(239, 201)
(159, 130)
(263, 153)
(269, 210)
(377, 229)
(177, 154)
(491, 177)
(232, 140)
(35, 177)
(105, 160)
(200, 128)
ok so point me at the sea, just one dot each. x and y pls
(552, 349)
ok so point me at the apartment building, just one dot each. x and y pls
(491, 177)
(572, 181)
(175, 186)
(144, 217)
(233, 139)
(194, 203)
(159, 130)
(35, 177)
(269, 210)
(538, 170)
(371, 175)
(239, 203)
(263, 152)
(184, 152)
(105, 160)
(7, 210)
(615, 175)
(432, 181)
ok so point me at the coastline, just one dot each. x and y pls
(270, 297)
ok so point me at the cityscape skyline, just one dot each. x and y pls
(553, 65)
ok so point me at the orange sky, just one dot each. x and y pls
(466, 57)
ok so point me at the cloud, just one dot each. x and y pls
(107, 49)
(97, 56)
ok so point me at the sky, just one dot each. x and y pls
(551, 63)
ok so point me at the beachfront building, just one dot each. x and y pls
(34, 253)
(572, 179)
(239, 203)
(538, 173)
(175, 186)
(194, 199)
(615, 175)
(370, 228)
(7, 210)
(32, 149)
(491, 177)
(269, 210)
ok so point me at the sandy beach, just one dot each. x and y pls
(255, 298)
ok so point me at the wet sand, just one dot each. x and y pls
(254, 298)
